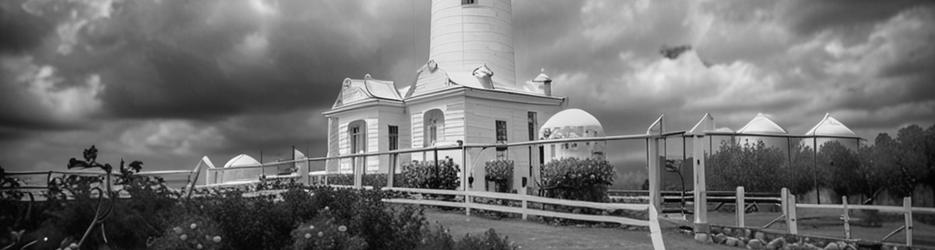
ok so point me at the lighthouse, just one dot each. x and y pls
(467, 34)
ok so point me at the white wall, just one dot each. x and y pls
(481, 128)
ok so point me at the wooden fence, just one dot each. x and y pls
(467, 201)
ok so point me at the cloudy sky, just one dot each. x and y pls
(168, 81)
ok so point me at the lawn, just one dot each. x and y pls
(536, 235)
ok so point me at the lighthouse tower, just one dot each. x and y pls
(468, 34)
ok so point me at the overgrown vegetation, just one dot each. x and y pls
(153, 216)
(897, 166)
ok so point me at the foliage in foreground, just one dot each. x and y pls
(156, 218)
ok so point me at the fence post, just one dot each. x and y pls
(741, 206)
(467, 204)
(655, 174)
(700, 190)
(523, 195)
(847, 219)
(907, 205)
(792, 219)
(358, 172)
(391, 169)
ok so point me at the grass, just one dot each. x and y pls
(536, 235)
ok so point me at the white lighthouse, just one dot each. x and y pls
(468, 34)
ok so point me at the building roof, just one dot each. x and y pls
(572, 118)
(358, 90)
(432, 77)
(241, 160)
(761, 124)
(828, 126)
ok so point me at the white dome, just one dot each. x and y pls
(241, 161)
(571, 123)
(761, 124)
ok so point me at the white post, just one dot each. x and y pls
(523, 195)
(467, 204)
(654, 173)
(907, 205)
(847, 219)
(741, 207)
(700, 190)
(655, 231)
(792, 220)
(358, 172)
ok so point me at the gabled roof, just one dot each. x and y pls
(828, 126)
(761, 124)
(358, 90)
(431, 78)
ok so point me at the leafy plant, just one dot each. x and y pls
(575, 179)
(500, 172)
(428, 174)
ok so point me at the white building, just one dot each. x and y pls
(572, 123)
(466, 91)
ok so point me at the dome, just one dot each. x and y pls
(571, 123)
(761, 124)
(828, 126)
(241, 160)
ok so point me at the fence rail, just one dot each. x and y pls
(467, 202)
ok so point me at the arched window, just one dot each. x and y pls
(357, 134)
(434, 127)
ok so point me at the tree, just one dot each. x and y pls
(800, 175)
(838, 167)
(756, 167)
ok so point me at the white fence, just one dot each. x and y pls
(466, 200)
(790, 217)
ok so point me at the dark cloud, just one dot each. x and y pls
(169, 81)
(808, 17)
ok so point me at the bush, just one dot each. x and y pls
(427, 174)
(192, 232)
(501, 173)
(324, 233)
(574, 179)
(441, 240)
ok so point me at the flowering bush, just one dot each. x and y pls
(500, 172)
(427, 174)
(324, 233)
(574, 179)
(193, 232)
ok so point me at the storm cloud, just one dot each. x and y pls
(168, 81)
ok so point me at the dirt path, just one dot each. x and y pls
(535, 235)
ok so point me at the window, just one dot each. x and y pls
(394, 137)
(532, 122)
(357, 135)
(501, 131)
(434, 127)
(501, 138)
(468, 2)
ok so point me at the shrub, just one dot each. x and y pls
(427, 174)
(501, 173)
(574, 179)
(440, 239)
(191, 232)
(324, 233)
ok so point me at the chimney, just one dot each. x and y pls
(544, 82)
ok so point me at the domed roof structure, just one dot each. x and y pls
(828, 126)
(241, 160)
(571, 123)
(761, 124)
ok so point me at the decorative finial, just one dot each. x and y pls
(541, 70)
